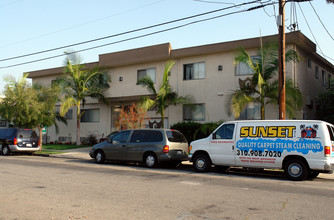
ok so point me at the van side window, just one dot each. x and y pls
(331, 131)
(121, 137)
(146, 136)
(225, 132)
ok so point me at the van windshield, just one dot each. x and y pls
(176, 136)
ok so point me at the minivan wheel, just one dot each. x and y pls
(296, 169)
(99, 157)
(202, 163)
(150, 160)
(5, 150)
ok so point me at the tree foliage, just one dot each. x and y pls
(325, 105)
(79, 83)
(164, 97)
(264, 89)
(29, 106)
(130, 117)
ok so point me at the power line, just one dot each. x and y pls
(141, 36)
(321, 21)
(128, 32)
(311, 30)
(82, 24)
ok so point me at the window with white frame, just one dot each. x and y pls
(309, 63)
(323, 78)
(251, 112)
(194, 112)
(244, 69)
(316, 72)
(90, 115)
(150, 72)
(194, 71)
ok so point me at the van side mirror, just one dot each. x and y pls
(214, 136)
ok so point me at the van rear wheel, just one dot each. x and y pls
(5, 150)
(150, 160)
(296, 169)
(202, 163)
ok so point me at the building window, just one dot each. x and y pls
(329, 80)
(146, 72)
(251, 112)
(244, 69)
(69, 114)
(195, 112)
(323, 78)
(90, 115)
(309, 63)
(316, 72)
(194, 71)
(3, 123)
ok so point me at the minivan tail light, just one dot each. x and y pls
(166, 149)
(327, 151)
(15, 141)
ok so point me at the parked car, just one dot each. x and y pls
(18, 140)
(148, 146)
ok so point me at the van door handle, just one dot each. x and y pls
(123, 145)
(232, 147)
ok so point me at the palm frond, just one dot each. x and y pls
(148, 83)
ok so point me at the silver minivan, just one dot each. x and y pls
(148, 146)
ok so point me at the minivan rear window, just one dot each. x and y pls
(176, 136)
(26, 134)
(146, 136)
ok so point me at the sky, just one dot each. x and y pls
(32, 26)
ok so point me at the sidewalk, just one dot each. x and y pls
(77, 153)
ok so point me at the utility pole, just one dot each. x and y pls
(281, 60)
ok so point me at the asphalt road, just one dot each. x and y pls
(61, 188)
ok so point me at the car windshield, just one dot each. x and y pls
(176, 136)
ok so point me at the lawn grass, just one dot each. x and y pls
(61, 146)
(48, 152)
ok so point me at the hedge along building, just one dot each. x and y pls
(206, 73)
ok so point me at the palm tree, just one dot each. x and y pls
(263, 89)
(164, 97)
(77, 84)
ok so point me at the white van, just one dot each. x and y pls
(302, 148)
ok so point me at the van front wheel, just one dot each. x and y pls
(202, 163)
(5, 150)
(296, 169)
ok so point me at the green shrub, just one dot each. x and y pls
(194, 130)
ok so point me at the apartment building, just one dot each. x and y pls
(206, 73)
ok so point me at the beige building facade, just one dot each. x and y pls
(205, 73)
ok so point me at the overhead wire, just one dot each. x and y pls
(141, 36)
(311, 31)
(79, 25)
(126, 32)
(321, 21)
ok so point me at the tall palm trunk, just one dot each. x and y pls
(78, 125)
(162, 118)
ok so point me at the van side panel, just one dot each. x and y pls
(266, 144)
